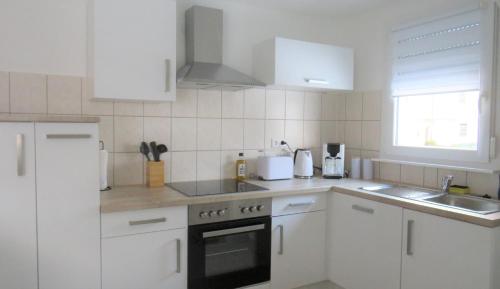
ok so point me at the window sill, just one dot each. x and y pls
(439, 166)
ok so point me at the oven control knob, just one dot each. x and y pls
(253, 209)
(221, 213)
(260, 208)
(212, 214)
(245, 210)
(203, 215)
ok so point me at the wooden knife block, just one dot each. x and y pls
(155, 174)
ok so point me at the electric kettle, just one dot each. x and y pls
(303, 164)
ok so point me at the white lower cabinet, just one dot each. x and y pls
(364, 243)
(298, 249)
(448, 254)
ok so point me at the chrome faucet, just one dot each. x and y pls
(446, 183)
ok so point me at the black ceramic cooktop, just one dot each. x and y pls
(213, 187)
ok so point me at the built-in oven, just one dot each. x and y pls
(229, 244)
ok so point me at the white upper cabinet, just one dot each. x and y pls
(132, 50)
(285, 62)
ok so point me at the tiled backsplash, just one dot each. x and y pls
(206, 129)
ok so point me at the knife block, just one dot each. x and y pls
(155, 174)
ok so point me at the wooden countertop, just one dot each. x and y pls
(47, 118)
(138, 197)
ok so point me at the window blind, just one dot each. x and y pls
(439, 56)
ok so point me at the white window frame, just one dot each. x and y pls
(446, 156)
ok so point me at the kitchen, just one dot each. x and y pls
(74, 73)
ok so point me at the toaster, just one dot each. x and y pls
(275, 167)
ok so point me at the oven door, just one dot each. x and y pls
(229, 254)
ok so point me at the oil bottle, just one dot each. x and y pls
(241, 167)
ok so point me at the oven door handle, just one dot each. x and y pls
(233, 231)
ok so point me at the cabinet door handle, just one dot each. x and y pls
(409, 238)
(363, 209)
(68, 136)
(149, 221)
(304, 204)
(316, 81)
(281, 228)
(167, 75)
(20, 154)
(178, 248)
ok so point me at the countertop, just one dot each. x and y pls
(129, 198)
(47, 118)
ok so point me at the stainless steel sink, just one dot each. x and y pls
(472, 204)
(402, 191)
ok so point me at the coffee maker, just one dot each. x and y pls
(333, 160)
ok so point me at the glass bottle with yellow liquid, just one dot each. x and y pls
(241, 168)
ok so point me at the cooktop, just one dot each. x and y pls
(213, 187)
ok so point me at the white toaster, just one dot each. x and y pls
(275, 167)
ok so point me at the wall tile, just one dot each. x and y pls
(232, 104)
(430, 178)
(372, 105)
(163, 109)
(158, 129)
(28, 93)
(294, 133)
(459, 177)
(275, 130)
(64, 94)
(183, 134)
(111, 169)
(255, 103)
(412, 175)
(254, 134)
(106, 128)
(128, 133)
(209, 134)
(275, 104)
(371, 135)
(232, 134)
(4, 92)
(294, 105)
(332, 131)
(390, 172)
(353, 134)
(184, 166)
(354, 106)
(312, 134)
(185, 104)
(312, 106)
(94, 107)
(129, 108)
(333, 107)
(209, 103)
(208, 165)
(228, 164)
(482, 184)
(128, 169)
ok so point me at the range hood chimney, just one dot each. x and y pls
(204, 68)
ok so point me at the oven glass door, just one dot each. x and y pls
(229, 255)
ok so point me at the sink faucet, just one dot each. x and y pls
(446, 183)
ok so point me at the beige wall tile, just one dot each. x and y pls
(232, 134)
(163, 109)
(312, 134)
(64, 94)
(209, 134)
(129, 108)
(353, 134)
(332, 131)
(312, 106)
(372, 105)
(158, 129)
(184, 166)
(128, 133)
(208, 165)
(253, 134)
(354, 106)
(459, 177)
(294, 133)
(371, 135)
(481, 184)
(412, 175)
(94, 107)
(333, 107)
(4, 91)
(183, 134)
(106, 128)
(28, 93)
(294, 105)
(209, 103)
(390, 172)
(430, 178)
(185, 104)
(275, 130)
(275, 104)
(255, 103)
(228, 164)
(128, 169)
(232, 104)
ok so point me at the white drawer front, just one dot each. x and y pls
(299, 204)
(144, 221)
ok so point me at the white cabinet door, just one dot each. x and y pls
(364, 243)
(298, 250)
(18, 261)
(445, 254)
(68, 201)
(147, 261)
(132, 49)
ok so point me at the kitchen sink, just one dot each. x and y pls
(466, 203)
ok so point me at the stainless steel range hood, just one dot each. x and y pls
(204, 68)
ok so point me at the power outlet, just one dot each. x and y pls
(275, 143)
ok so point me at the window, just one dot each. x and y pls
(441, 72)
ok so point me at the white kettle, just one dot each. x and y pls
(303, 167)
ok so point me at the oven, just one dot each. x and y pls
(232, 253)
